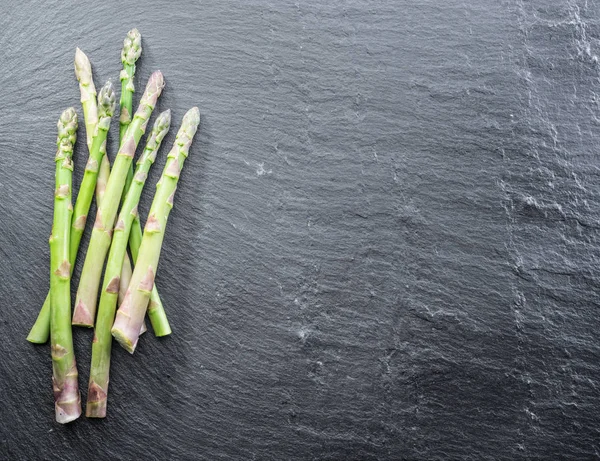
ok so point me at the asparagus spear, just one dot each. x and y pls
(131, 52)
(102, 113)
(132, 49)
(101, 347)
(67, 400)
(106, 107)
(83, 72)
(87, 292)
(130, 315)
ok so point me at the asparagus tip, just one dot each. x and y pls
(162, 124)
(194, 114)
(107, 100)
(154, 88)
(68, 116)
(132, 47)
(189, 125)
(83, 67)
(157, 79)
(67, 125)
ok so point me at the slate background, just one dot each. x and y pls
(385, 243)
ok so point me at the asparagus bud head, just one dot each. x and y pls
(67, 129)
(132, 47)
(83, 68)
(159, 130)
(107, 101)
(189, 125)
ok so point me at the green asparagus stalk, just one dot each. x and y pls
(67, 400)
(132, 49)
(101, 347)
(102, 179)
(130, 315)
(87, 292)
(126, 271)
(106, 108)
(83, 72)
(102, 112)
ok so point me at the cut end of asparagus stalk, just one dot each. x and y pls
(107, 101)
(123, 339)
(83, 67)
(132, 47)
(67, 406)
(38, 338)
(65, 414)
(96, 403)
(158, 317)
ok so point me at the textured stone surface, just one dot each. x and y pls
(385, 241)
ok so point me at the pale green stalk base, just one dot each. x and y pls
(156, 310)
(158, 317)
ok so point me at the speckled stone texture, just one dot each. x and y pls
(385, 243)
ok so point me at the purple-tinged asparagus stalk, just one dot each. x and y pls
(67, 401)
(130, 315)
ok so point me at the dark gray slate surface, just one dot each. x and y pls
(386, 239)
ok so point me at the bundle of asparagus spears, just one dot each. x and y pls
(129, 282)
